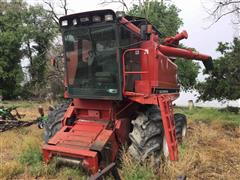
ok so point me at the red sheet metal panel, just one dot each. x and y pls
(77, 141)
(89, 159)
(69, 151)
(101, 140)
(82, 134)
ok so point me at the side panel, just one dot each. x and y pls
(167, 72)
(162, 72)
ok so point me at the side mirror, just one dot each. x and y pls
(145, 31)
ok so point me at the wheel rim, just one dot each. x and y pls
(40, 125)
(184, 130)
(165, 147)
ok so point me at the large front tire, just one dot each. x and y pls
(53, 125)
(147, 135)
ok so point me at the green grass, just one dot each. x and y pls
(31, 158)
(23, 104)
(74, 173)
(138, 172)
(182, 150)
(133, 170)
(210, 115)
(31, 155)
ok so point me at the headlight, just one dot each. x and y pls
(84, 19)
(74, 22)
(64, 23)
(108, 17)
(96, 19)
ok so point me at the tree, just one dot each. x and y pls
(221, 8)
(39, 32)
(224, 82)
(11, 73)
(164, 17)
(51, 8)
(187, 73)
(26, 33)
(122, 2)
(55, 75)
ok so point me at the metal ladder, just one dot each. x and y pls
(166, 109)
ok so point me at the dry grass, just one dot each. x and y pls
(132, 170)
(210, 151)
(14, 142)
(20, 150)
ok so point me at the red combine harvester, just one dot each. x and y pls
(122, 82)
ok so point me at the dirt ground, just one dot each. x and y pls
(210, 151)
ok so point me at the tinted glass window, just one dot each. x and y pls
(129, 39)
(91, 61)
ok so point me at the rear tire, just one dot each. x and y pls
(53, 125)
(147, 135)
(181, 126)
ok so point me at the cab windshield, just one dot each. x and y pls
(91, 63)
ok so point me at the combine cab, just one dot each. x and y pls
(122, 83)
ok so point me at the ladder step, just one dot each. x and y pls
(166, 109)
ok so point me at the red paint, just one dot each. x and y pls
(89, 158)
(122, 130)
(165, 104)
(174, 40)
(177, 52)
(102, 126)
(145, 73)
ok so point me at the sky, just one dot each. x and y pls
(196, 22)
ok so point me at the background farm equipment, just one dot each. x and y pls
(10, 118)
(7, 113)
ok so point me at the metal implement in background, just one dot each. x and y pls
(13, 124)
(7, 113)
(10, 118)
